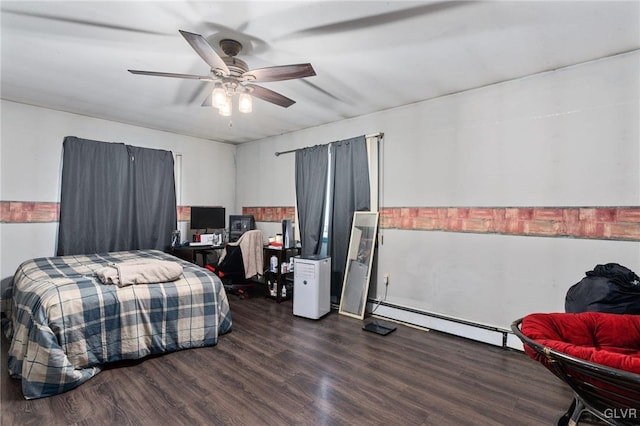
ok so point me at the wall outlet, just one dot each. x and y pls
(385, 279)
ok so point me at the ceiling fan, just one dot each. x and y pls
(231, 76)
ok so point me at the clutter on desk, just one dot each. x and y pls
(274, 244)
(206, 238)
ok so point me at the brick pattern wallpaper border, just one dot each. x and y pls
(612, 223)
(184, 213)
(29, 212)
(271, 214)
(43, 212)
(34, 212)
(609, 223)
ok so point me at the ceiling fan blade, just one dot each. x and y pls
(170, 74)
(380, 19)
(87, 22)
(270, 96)
(206, 52)
(281, 72)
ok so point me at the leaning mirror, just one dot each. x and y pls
(355, 285)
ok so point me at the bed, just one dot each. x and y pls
(64, 324)
(597, 354)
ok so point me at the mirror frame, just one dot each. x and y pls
(355, 248)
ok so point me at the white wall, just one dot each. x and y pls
(31, 163)
(564, 138)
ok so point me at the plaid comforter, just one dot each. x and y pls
(65, 323)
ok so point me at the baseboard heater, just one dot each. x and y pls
(458, 327)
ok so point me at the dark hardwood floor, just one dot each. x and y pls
(274, 368)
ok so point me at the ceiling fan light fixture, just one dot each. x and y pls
(245, 103)
(225, 108)
(218, 97)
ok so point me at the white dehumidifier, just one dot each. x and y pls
(311, 286)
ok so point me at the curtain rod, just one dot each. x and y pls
(379, 135)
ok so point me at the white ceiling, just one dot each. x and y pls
(368, 55)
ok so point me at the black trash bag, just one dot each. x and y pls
(610, 288)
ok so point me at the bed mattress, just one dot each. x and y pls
(64, 323)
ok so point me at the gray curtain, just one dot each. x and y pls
(115, 197)
(351, 192)
(311, 183)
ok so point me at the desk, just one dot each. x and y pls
(190, 253)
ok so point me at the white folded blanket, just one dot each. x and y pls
(147, 271)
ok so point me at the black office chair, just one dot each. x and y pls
(238, 278)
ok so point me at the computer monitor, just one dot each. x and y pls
(207, 217)
(239, 224)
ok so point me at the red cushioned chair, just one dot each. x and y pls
(596, 354)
